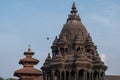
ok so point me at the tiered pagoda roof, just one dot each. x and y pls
(28, 72)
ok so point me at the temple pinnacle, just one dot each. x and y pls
(29, 48)
(74, 11)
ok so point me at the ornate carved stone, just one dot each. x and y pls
(74, 55)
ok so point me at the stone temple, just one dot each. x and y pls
(74, 56)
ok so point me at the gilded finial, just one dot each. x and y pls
(73, 16)
(73, 6)
(29, 48)
(74, 11)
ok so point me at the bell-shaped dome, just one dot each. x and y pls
(74, 26)
(74, 52)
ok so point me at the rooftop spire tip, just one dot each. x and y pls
(74, 11)
(74, 5)
(29, 48)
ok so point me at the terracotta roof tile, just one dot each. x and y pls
(28, 70)
(28, 59)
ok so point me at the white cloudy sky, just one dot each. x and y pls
(24, 22)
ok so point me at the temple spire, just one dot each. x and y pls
(29, 49)
(74, 55)
(73, 16)
(74, 11)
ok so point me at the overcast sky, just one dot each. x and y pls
(24, 22)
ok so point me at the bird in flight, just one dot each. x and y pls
(48, 38)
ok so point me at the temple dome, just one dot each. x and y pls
(74, 55)
(73, 29)
(74, 26)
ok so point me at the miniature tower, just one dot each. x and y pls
(28, 72)
(74, 55)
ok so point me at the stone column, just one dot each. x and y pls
(69, 75)
(99, 76)
(52, 75)
(60, 74)
(64, 75)
(77, 75)
(44, 76)
(92, 76)
(89, 75)
(85, 75)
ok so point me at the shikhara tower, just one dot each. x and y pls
(74, 55)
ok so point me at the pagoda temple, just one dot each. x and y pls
(28, 72)
(74, 55)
